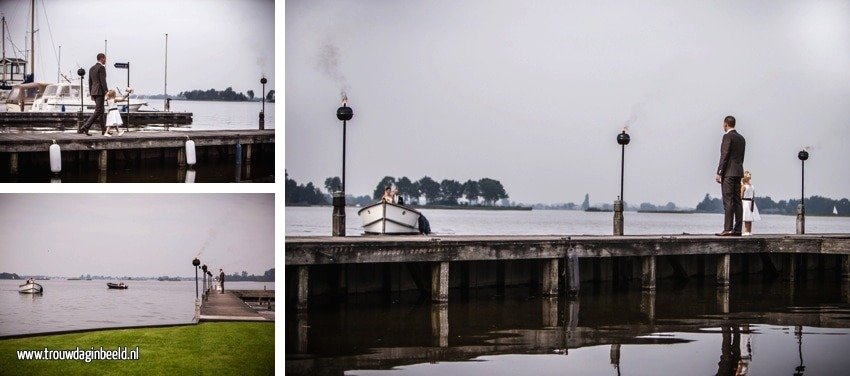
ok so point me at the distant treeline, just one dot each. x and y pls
(448, 192)
(268, 276)
(815, 205)
(225, 95)
(9, 276)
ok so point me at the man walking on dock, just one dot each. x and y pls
(221, 280)
(729, 174)
(97, 89)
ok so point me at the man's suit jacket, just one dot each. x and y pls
(732, 155)
(97, 80)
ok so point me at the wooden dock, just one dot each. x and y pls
(35, 146)
(69, 119)
(227, 307)
(556, 255)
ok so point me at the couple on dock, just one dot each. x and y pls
(735, 182)
(98, 89)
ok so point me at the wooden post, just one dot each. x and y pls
(549, 312)
(647, 273)
(549, 277)
(440, 324)
(248, 152)
(845, 267)
(647, 304)
(303, 328)
(723, 300)
(13, 163)
(572, 270)
(790, 267)
(101, 160)
(723, 270)
(303, 287)
(440, 282)
(181, 157)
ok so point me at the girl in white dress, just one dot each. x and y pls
(113, 117)
(751, 211)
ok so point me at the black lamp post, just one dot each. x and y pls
(344, 114)
(195, 263)
(803, 155)
(623, 139)
(263, 113)
(81, 72)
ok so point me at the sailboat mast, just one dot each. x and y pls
(4, 48)
(165, 89)
(32, 40)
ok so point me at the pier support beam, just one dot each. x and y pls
(647, 274)
(102, 160)
(303, 328)
(647, 304)
(790, 269)
(723, 262)
(549, 311)
(572, 270)
(845, 267)
(248, 153)
(181, 157)
(723, 300)
(549, 277)
(13, 163)
(440, 282)
(303, 287)
(440, 325)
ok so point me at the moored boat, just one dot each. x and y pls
(120, 286)
(389, 218)
(30, 288)
(65, 97)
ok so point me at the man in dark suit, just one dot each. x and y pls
(729, 174)
(221, 280)
(97, 89)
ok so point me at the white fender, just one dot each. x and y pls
(55, 158)
(190, 153)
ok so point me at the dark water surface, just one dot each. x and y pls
(758, 327)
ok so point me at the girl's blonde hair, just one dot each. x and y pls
(110, 94)
(747, 177)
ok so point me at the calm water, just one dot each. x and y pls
(316, 221)
(762, 327)
(67, 305)
(766, 328)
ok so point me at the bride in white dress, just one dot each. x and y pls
(113, 117)
(751, 211)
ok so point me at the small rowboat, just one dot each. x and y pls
(30, 288)
(120, 286)
(388, 218)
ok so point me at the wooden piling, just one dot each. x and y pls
(440, 282)
(549, 311)
(647, 304)
(303, 287)
(790, 269)
(647, 275)
(248, 153)
(102, 160)
(722, 296)
(723, 263)
(549, 274)
(13, 163)
(181, 157)
(572, 270)
(440, 325)
(845, 267)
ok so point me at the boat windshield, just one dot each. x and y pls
(50, 91)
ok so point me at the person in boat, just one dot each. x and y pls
(30, 281)
(389, 195)
(113, 117)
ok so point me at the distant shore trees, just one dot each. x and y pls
(815, 205)
(214, 95)
(300, 194)
(446, 192)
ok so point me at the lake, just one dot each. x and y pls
(70, 305)
(316, 221)
(759, 327)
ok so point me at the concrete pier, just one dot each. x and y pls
(227, 307)
(500, 261)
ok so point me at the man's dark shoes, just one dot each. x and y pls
(724, 233)
(735, 233)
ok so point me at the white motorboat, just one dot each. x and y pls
(65, 97)
(30, 288)
(389, 218)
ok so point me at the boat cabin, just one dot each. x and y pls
(11, 72)
(22, 96)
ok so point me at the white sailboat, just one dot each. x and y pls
(65, 97)
(834, 210)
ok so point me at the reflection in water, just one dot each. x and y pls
(695, 327)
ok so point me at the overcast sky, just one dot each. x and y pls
(534, 93)
(211, 43)
(135, 234)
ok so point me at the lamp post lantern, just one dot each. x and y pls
(195, 263)
(344, 114)
(263, 112)
(803, 155)
(623, 139)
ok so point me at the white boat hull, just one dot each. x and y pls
(30, 288)
(388, 218)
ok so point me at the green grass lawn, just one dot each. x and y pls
(215, 348)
